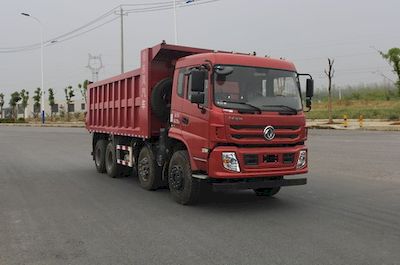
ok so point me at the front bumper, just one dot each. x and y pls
(258, 184)
(262, 169)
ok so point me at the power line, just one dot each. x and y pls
(169, 6)
(65, 39)
(148, 4)
(36, 45)
(89, 30)
(141, 8)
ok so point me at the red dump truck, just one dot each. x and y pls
(189, 118)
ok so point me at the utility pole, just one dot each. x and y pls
(95, 64)
(175, 26)
(122, 39)
(121, 14)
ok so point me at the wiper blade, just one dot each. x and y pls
(243, 103)
(293, 110)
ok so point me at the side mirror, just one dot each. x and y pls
(310, 88)
(197, 80)
(197, 98)
(308, 103)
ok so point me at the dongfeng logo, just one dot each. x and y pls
(269, 133)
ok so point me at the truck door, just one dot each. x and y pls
(178, 99)
(194, 124)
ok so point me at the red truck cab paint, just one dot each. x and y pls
(191, 117)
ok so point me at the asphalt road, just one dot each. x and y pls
(55, 208)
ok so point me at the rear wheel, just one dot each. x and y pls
(112, 168)
(99, 156)
(148, 171)
(183, 187)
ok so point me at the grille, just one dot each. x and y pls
(270, 158)
(281, 136)
(256, 132)
(247, 127)
(288, 158)
(250, 159)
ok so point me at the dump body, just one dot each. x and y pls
(121, 105)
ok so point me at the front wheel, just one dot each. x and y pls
(183, 187)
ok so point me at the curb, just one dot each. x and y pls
(77, 125)
(352, 128)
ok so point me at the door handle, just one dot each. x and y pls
(185, 120)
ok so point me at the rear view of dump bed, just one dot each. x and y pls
(121, 105)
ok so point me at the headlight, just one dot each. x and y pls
(301, 162)
(230, 161)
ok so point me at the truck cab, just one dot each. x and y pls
(240, 116)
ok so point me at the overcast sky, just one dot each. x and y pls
(306, 32)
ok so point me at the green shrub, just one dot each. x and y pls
(19, 120)
(394, 117)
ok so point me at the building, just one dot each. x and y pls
(6, 113)
(77, 106)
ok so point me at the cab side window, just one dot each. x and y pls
(181, 81)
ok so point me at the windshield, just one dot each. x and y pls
(253, 88)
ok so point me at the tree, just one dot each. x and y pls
(25, 97)
(36, 98)
(15, 97)
(51, 102)
(1, 104)
(85, 85)
(393, 58)
(69, 94)
(83, 89)
(330, 73)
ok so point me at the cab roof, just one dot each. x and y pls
(235, 59)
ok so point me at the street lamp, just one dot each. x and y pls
(41, 60)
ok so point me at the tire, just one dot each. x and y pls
(99, 156)
(183, 187)
(161, 99)
(112, 167)
(148, 171)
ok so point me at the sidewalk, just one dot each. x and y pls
(369, 125)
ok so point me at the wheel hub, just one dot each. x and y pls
(177, 178)
(144, 169)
